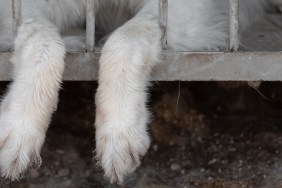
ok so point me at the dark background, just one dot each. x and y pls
(205, 134)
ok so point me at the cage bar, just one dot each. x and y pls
(234, 25)
(163, 16)
(185, 66)
(16, 7)
(90, 26)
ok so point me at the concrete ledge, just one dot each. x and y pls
(185, 66)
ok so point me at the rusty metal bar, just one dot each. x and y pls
(90, 26)
(163, 17)
(16, 7)
(234, 25)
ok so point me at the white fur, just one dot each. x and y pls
(125, 65)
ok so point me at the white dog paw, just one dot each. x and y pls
(119, 150)
(20, 145)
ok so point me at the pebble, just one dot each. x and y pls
(212, 161)
(66, 183)
(63, 172)
(33, 173)
(175, 167)
(155, 147)
(59, 151)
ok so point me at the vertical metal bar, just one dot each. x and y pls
(16, 7)
(163, 17)
(234, 25)
(90, 25)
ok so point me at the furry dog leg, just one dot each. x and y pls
(26, 110)
(121, 114)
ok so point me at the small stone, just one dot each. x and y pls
(33, 173)
(63, 172)
(87, 173)
(212, 161)
(66, 183)
(155, 147)
(59, 151)
(46, 171)
(175, 167)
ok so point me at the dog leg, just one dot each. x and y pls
(27, 107)
(121, 115)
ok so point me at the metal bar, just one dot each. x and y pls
(234, 25)
(90, 25)
(163, 17)
(16, 6)
(185, 66)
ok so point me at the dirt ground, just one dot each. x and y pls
(203, 136)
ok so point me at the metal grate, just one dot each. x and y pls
(234, 25)
(163, 17)
(163, 9)
(188, 66)
(90, 26)
(16, 15)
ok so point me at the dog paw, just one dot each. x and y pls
(20, 145)
(119, 150)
